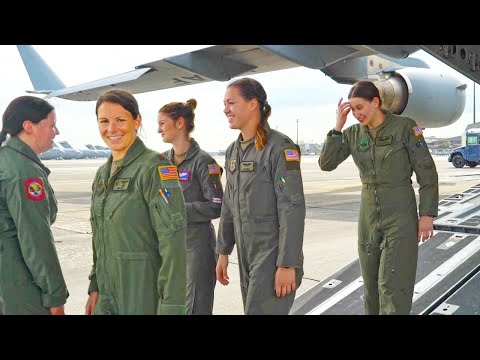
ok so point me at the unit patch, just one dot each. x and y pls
(383, 140)
(247, 166)
(417, 131)
(184, 175)
(233, 165)
(121, 184)
(168, 172)
(291, 155)
(35, 189)
(214, 169)
(101, 186)
(364, 145)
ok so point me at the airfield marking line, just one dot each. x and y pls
(347, 290)
(446, 268)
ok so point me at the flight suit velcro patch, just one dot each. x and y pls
(364, 145)
(291, 155)
(417, 131)
(421, 145)
(383, 140)
(233, 165)
(101, 186)
(168, 172)
(184, 175)
(214, 169)
(292, 159)
(247, 166)
(121, 185)
(35, 189)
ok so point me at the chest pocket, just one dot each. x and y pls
(114, 200)
(260, 196)
(361, 158)
(395, 154)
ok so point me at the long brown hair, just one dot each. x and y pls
(252, 89)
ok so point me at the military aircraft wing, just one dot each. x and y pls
(220, 63)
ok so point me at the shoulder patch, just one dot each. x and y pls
(214, 169)
(291, 155)
(417, 131)
(168, 172)
(35, 189)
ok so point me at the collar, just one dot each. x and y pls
(18, 145)
(192, 151)
(135, 150)
(388, 119)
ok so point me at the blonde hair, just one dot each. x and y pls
(252, 89)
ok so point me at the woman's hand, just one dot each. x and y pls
(342, 112)
(91, 302)
(285, 281)
(425, 228)
(221, 269)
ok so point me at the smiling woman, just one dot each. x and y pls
(138, 221)
(387, 149)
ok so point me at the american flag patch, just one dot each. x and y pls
(214, 169)
(168, 172)
(418, 131)
(292, 155)
(217, 200)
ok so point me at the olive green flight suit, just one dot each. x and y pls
(388, 220)
(139, 227)
(263, 214)
(31, 279)
(203, 193)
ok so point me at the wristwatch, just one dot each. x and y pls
(334, 133)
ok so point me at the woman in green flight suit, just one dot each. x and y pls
(387, 149)
(263, 212)
(31, 279)
(138, 221)
(199, 176)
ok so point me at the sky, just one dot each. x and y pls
(302, 94)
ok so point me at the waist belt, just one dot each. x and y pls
(377, 186)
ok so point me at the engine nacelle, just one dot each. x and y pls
(430, 98)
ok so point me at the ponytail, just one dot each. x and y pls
(260, 138)
(261, 133)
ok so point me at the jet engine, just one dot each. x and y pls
(431, 98)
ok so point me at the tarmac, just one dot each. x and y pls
(332, 201)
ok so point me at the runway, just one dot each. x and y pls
(332, 200)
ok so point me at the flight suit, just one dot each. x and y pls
(199, 176)
(263, 214)
(139, 227)
(31, 279)
(388, 220)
